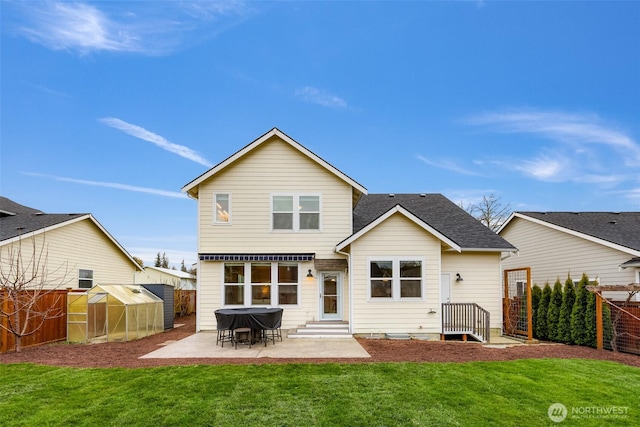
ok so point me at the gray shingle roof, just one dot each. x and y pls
(16, 219)
(621, 228)
(435, 210)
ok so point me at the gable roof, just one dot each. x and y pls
(176, 273)
(618, 230)
(192, 187)
(433, 212)
(17, 220)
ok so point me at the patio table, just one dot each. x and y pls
(256, 318)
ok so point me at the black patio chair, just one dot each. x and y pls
(242, 336)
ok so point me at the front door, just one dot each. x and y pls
(331, 296)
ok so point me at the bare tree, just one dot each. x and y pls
(490, 211)
(25, 280)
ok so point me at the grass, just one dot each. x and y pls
(515, 393)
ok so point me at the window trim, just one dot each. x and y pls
(396, 278)
(274, 285)
(295, 228)
(85, 279)
(215, 210)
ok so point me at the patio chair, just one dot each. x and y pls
(224, 335)
(270, 334)
(242, 336)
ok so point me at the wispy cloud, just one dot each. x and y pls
(142, 133)
(447, 165)
(320, 97)
(117, 186)
(576, 130)
(138, 27)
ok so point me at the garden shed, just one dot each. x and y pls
(113, 313)
(166, 294)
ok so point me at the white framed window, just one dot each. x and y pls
(396, 278)
(267, 283)
(85, 279)
(295, 212)
(222, 208)
(234, 283)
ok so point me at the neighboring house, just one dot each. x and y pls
(279, 226)
(78, 251)
(604, 245)
(176, 278)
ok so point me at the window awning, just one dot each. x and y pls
(256, 257)
(330, 264)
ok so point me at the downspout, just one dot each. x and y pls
(350, 274)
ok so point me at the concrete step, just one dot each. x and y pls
(321, 330)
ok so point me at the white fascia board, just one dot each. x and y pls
(504, 224)
(581, 235)
(398, 209)
(273, 132)
(489, 250)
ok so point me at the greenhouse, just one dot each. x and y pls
(113, 313)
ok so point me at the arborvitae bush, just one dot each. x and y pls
(553, 312)
(590, 320)
(541, 321)
(564, 321)
(536, 295)
(578, 325)
(607, 327)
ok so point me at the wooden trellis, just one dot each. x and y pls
(517, 310)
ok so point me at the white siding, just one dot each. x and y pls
(396, 237)
(79, 245)
(273, 167)
(481, 284)
(553, 254)
(210, 298)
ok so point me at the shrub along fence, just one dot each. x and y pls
(625, 319)
(53, 329)
(577, 314)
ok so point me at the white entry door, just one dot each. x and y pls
(331, 296)
(445, 288)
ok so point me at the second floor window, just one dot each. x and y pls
(222, 206)
(295, 212)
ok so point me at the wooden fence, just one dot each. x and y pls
(56, 329)
(184, 302)
(52, 330)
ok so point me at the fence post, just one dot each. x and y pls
(529, 307)
(599, 334)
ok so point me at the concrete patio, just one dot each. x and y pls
(203, 345)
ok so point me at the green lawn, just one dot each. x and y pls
(516, 393)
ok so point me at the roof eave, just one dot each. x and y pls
(398, 209)
(192, 190)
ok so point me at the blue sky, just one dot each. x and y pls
(111, 107)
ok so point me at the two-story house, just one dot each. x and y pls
(279, 226)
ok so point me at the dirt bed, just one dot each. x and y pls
(127, 354)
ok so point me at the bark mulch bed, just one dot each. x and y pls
(126, 354)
